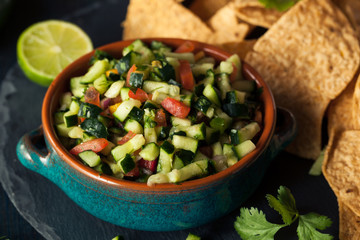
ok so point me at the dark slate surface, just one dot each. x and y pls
(33, 208)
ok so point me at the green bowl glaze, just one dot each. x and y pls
(164, 207)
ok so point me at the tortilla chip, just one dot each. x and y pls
(240, 48)
(356, 105)
(226, 26)
(163, 18)
(206, 8)
(341, 167)
(339, 113)
(351, 8)
(253, 12)
(349, 227)
(306, 64)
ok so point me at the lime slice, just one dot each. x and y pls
(44, 49)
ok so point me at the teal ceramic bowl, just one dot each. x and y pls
(163, 207)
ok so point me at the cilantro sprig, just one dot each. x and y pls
(280, 5)
(252, 223)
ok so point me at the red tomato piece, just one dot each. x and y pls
(187, 46)
(186, 76)
(233, 75)
(133, 173)
(96, 145)
(151, 165)
(160, 118)
(92, 96)
(175, 107)
(140, 95)
(131, 70)
(126, 138)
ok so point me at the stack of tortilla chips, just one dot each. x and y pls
(310, 58)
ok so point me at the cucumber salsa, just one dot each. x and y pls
(160, 115)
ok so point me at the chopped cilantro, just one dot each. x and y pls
(252, 223)
(280, 5)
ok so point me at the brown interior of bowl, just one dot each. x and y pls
(80, 66)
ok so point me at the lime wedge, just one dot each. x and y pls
(44, 49)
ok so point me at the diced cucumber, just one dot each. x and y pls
(90, 158)
(114, 89)
(237, 110)
(202, 104)
(244, 148)
(162, 87)
(235, 59)
(196, 131)
(185, 156)
(245, 133)
(59, 117)
(101, 84)
(124, 93)
(201, 68)
(212, 135)
(70, 119)
(130, 146)
(76, 132)
(94, 127)
(62, 130)
(126, 164)
(195, 169)
(162, 132)
(223, 84)
(187, 143)
(103, 168)
(235, 96)
(74, 105)
(158, 97)
(107, 150)
(136, 79)
(165, 157)
(150, 151)
(187, 99)
(133, 126)
(211, 94)
(99, 67)
(150, 104)
(125, 107)
(199, 157)
(217, 149)
(65, 101)
(226, 67)
(230, 155)
(192, 237)
(178, 163)
(87, 137)
(88, 110)
(181, 56)
(76, 87)
(150, 135)
(245, 85)
(175, 121)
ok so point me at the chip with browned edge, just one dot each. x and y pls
(305, 67)
(356, 105)
(339, 113)
(341, 167)
(163, 18)
(206, 8)
(349, 223)
(253, 12)
(227, 27)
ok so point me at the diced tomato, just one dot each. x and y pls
(133, 173)
(151, 165)
(160, 118)
(186, 76)
(233, 75)
(92, 96)
(81, 119)
(175, 107)
(131, 70)
(187, 46)
(140, 95)
(96, 145)
(126, 138)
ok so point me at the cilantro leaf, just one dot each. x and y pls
(252, 224)
(284, 204)
(280, 5)
(308, 225)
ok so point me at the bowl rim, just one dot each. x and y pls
(269, 121)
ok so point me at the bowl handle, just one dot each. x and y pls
(32, 151)
(285, 131)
